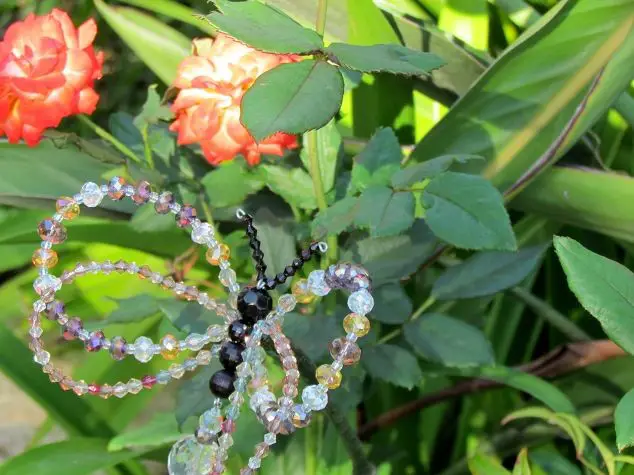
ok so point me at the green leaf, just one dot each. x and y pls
(553, 463)
(153, 111)
(449, 341)
(231, 183)
(160, 431)
(329, 151)
(468, 212)
(603, 287)
(395, 257)
(292, 98)
(36, 177)
(522, 467)
(624, 422)
(487, 273)
(391, 304)
(263, 27)
(134, 309)
(385, 212)
(393, 364)
(511, 119)
(176, 11)
(378, 161)
(336, 219)
(540, 389)
(146, 219)
(483, 464)
(395, 59)
(188, 317)
(313, 333)
(73, 414)
(75, 456)
(159, 46)
(418, 172)
(278, 243)
(193, 396)
(292, 184)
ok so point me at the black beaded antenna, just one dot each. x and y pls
(269, 283)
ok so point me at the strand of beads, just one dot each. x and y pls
(143, 348)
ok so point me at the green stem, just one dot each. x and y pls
(360, 463)
(207, 210)
(419, 311)
(104, 134)
(552, 316)
(146, 147)
(320, 24)
(320, 195)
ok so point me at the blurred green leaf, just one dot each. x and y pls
(278, 244)
(36, 177)
(589, 199)
(188, 317)
(312, 334)
(146, 219)
(486, 273)
(292, 184)
(292, 98)
(378, 161)
(134, 308)
(263, 27)
(522, 467)
(391, 304)
(395, 257)
(468, 20)
(395, 59)
(160, 431)
(468, 212)
(540, 389)
(393, 364)
(624, 422)
(483, 464)
(153, 111)
(553, 463)
(418, 172)
(75, 456)
(603, 287)
(158, 45)
(385, 212)
(175, 10)
(449, 341)
(193, 396)
(329, 151)
(337, 218)
(510, 118)
(231, 183)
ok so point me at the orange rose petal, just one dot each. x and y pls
(87, 33)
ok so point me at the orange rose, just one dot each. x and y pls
(207, 108)
(47, 72)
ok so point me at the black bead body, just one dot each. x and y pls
(238, 330)
(254, 304)
(231, 355)
(221, 383)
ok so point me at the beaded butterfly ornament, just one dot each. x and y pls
(249, 316)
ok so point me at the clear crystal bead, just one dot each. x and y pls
(47, 283)
(211, 420)
(254, 462)
(143, 349)
(317, 283)
(286, 303)
(203, 233)
(163, 377)
(42, 357)
(270, 438)
(135, 386)
(361, 302)
(195, 341)
(315, 397)
(227, 277)
(120, 390)
(176, 371)
(261, 398)
(188, 457)
(216, 333)
(91, 194)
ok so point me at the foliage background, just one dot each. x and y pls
(432, 327)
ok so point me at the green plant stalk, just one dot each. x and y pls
(105, 135)
(322, 10)
(147, 150)
(320, 195)
(556, 319)
(417, 313)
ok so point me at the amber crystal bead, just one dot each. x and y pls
(44, 258)
(357, 324)
(348, 352)
(328, 376)
(215, 254)
(67, 207)
(169, 347)
(300, 291)
(51, 231)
